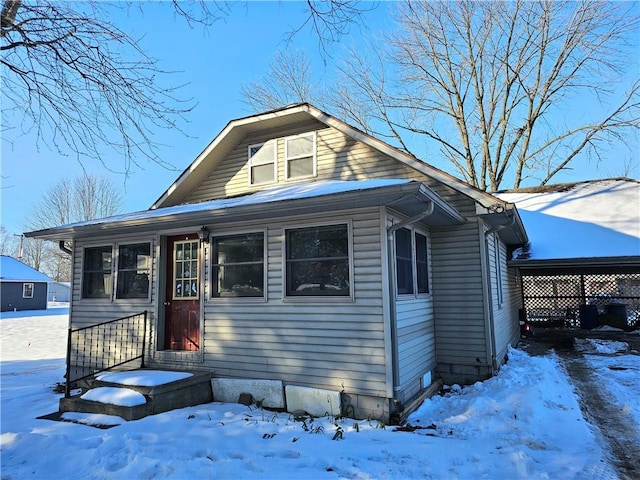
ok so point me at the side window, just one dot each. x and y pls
(134, 267)
(412, 265)
(27, 290)
(404, 262)
(300, 156)
(422, 267)
(317, 261)
(96, 272)
(262, 163)
(238, 266)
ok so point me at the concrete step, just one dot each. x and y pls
(195, 389)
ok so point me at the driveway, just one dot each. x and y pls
(619, 437)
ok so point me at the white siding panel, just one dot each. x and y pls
(320, 342)
(458, 290)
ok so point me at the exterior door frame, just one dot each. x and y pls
(162, 353)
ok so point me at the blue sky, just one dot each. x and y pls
(214, 62)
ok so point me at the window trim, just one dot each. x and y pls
(110, 296)
(414, 263)
(335, 299)
(24, 289)
(198, 273)
(251, 163)
(314, 156)
(115, 250)
(265, 261)
(116, 270)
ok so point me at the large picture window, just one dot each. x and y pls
(96, 274)
(300, 156)
(262, 163)
(134, 267)
(412, 269)
(238, 265)
(317, 261)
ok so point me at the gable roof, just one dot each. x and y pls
(597, 219)
(237, 129)
(12, 270)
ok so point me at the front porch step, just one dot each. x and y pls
(195, 389)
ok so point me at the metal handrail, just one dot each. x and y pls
(102, 346)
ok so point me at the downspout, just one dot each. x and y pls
(491, 328)
(392, 291)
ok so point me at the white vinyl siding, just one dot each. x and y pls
(458, 293)
(337, 157)
(505, 306)
(335, 345)
(415, 330)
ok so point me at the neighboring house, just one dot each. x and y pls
(21, 287)
(59, 291)
(584, 251)
(297, 248)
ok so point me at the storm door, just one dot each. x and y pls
(182, 300)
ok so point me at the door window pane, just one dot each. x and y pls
(185, 269)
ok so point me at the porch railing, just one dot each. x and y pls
(106, 345)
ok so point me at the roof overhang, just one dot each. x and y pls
(406, 197)
(628, 264)
(504, 219)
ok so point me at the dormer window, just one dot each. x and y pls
(300, 156)
(262, 163)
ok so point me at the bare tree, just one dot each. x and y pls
(84, 85)
(81, 83)
(499, 88)
(9, 243)
(84, 198)
(289, 80)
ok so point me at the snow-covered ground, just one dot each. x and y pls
(523, 423)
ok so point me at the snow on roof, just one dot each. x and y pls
(582, 220)
(275, 194)
(12, 270)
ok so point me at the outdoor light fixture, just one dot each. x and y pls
(203, 234)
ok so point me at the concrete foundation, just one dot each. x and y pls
(268, 393)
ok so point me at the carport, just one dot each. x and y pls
(580, 296)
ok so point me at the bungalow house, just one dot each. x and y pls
(582, 265)
(21, 287)
(297, 248)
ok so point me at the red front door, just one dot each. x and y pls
(182, 300)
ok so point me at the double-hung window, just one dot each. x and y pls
(317, 261)
(96, 272)
(412, 266)
(132, 271)
(262, 163)
(134, 267)
(300, 156)
(27, 290)
(238, 265)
